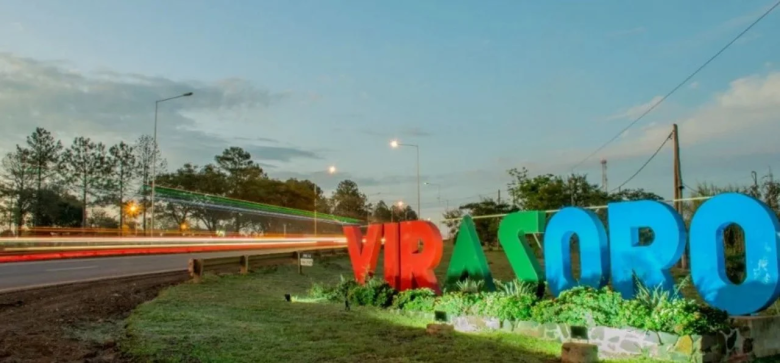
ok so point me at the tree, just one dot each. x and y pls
(487, 228)
(549, 192)
(382, 213)
(188, 177)
(148, 155)
(348, 201)
(407, 214)
(86, 166)
(58, 208)
(101, 219)
(124, 171)
(452, 221)
(633, 194)
(210, 180)
(18, 177)
(45, 161)
(241, 171)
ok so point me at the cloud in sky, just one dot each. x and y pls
(745, 114)
(109, 106)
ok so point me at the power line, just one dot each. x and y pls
(646, 162)
(679, 85)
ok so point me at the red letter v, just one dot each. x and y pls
(364, 256)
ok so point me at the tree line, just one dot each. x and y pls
(88, 184)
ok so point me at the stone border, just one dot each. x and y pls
(751, 338)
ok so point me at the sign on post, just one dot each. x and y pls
(307, 260)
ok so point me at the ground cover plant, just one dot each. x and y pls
(652, 309)
(246, 319)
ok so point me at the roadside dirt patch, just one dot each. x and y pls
(49, 324)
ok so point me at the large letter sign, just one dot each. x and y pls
(619, 258)
(468, 258)
(651, 263)
(708, 267)
(594, 252)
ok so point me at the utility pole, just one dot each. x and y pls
(604, 175)
(678, 185)
(499, 197)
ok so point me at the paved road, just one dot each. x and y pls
(26, 274)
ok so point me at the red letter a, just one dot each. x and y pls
(364, 256)
(417, 266)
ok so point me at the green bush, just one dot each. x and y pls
(504, 306)
(655, 309)
(338, 292)
(375, 292)
(581, 306)
(415, 300)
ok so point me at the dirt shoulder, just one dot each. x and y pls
(76, 322)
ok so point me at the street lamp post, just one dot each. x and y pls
(395, 144)
(154, 153)
(400, 205)
(331, 171)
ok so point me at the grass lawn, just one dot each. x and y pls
(246, 319)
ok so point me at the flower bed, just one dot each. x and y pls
(581, 306)
(655, 323)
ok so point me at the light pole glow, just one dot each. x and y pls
(395, 144)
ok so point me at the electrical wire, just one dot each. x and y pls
(656, 104)
(645, 164)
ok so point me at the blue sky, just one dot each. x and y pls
(480, 86)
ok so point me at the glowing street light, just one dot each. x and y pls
(395, 144)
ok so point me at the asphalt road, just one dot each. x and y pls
(29, 274)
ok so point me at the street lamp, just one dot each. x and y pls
(400, 205)
(438, 191)
(154, 152)
(331, 171)
(395, 144)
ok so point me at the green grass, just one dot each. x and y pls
(245, 319)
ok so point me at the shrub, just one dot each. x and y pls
(652, 309)
(457, 303)
(415, 300)
(338, 292)
(656, 310)
(581, 306)
(520, 288)
(503, 306)
(375, 292)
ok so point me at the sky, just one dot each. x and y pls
(480, 87)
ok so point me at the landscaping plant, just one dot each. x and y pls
(652, 309)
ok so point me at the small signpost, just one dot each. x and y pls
(304, 259)
(307, 260)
